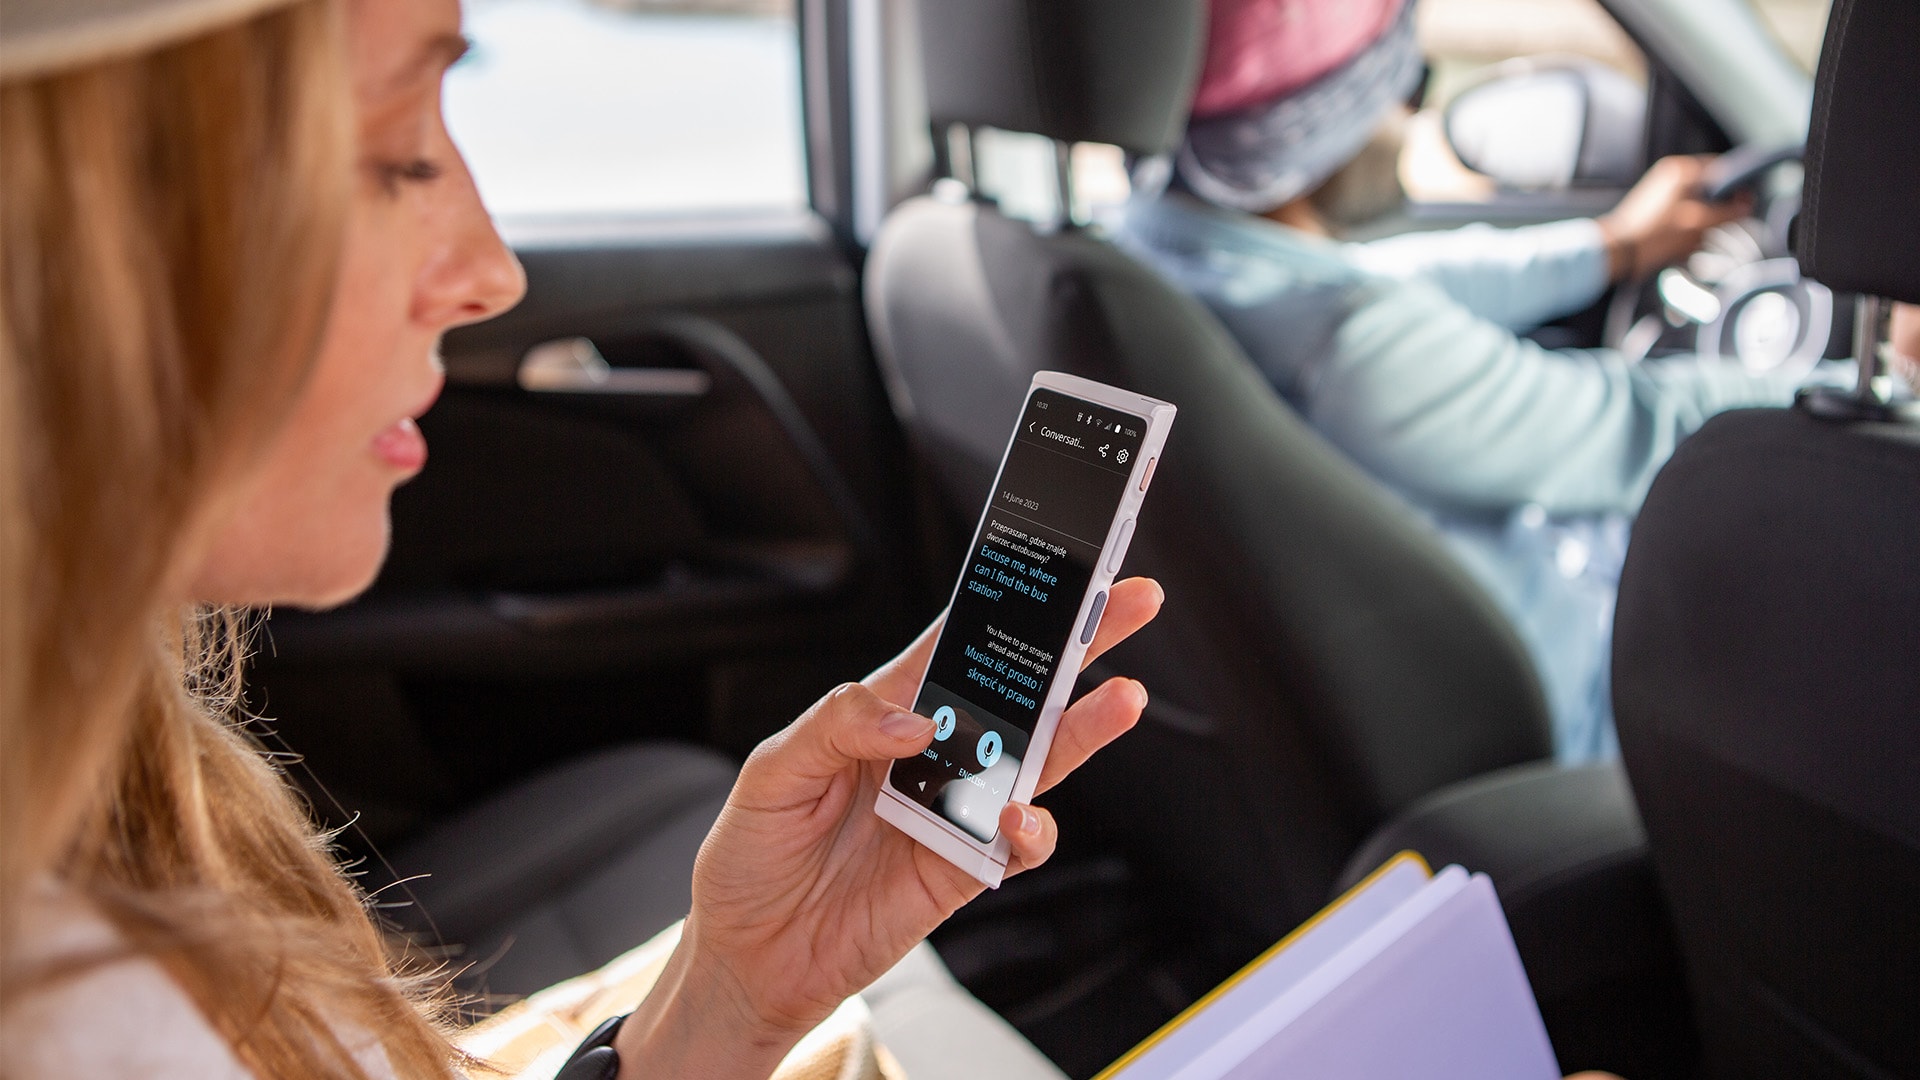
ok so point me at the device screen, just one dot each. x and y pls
(1019, 598)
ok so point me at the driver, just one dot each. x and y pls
(1406, 352)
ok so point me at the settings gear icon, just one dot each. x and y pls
(1122, 457)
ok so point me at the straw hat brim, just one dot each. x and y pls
(40, 37)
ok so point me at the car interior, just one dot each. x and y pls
(1766, 723)
(706, 472)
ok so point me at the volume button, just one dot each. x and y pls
(1093, 618)
(1120, 546)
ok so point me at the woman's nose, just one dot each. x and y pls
(499, 281)
(478, 276)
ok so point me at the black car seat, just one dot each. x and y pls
(565, 870)
(577, 864)
(1767, 642)
(1321, 661)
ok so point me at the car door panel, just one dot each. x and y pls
(694, 546)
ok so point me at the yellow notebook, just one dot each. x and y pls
(1410, 974)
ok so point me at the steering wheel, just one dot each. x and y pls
(1740, 297)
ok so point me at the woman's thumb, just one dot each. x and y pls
(852, 724)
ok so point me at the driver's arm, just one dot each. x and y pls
(1515, 278)
(1520, 278)
(1456, 411)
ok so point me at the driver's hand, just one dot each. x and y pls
(1903, 330)
(802, 896)
(1661, 221)
(1903, 333)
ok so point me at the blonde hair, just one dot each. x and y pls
(169, 232)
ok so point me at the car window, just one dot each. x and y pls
(1019, 172)
(1798, 25)
(571, 108)
(1465, 41)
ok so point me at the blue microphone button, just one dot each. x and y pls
(989, 749)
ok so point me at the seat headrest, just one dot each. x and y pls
(1859, 228)
(1107, 71)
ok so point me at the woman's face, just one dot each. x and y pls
(421, 256)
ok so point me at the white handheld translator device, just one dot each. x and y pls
(1027, 604)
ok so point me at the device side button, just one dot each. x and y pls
(1120, 546)
(1093, 617)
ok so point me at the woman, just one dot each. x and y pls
(1408, 353)
(233, 232)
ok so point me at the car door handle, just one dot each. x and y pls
(574, 366)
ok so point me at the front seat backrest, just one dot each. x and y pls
(1767, 645)
(1321, 661)
(1859, 227)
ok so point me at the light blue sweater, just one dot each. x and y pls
(1405, 354)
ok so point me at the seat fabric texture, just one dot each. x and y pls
(1767, 686)
(1105, 71)
(1321, 661)
(566, 870)
(579, 864)
(1767, 646)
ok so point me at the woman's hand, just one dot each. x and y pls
(802, 896)
(1662, 220)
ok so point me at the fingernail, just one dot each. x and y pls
(1029, 821)
(905, 725)
(1140, 692)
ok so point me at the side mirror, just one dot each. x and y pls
(1545, 123)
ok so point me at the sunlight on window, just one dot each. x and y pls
(1799, 26)
(570, 108)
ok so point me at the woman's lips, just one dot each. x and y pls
(402, 446)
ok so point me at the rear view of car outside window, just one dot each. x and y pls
(621, 108)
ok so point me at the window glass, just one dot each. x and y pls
(1463, 41)
(1020, 172)
(569, 108)
(1799, 26)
